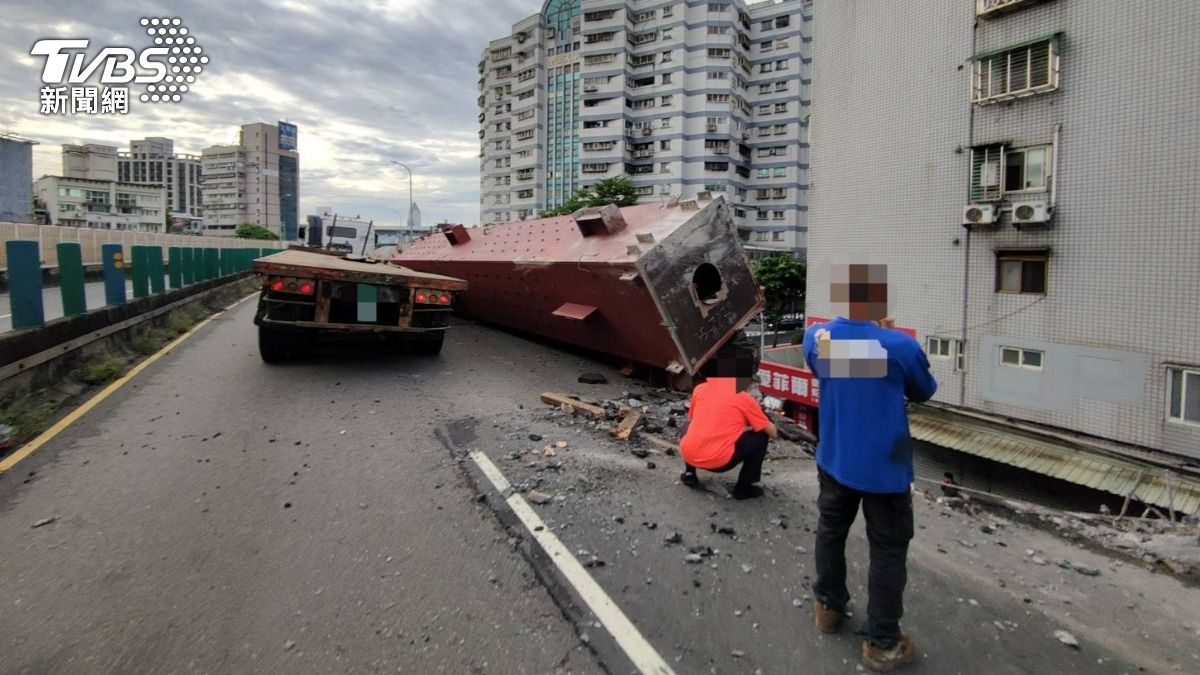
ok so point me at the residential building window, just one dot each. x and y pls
(782, 85)
(764, 88)
(1021, 71)
(666, 78)
(1021, 271)
(602, 37)
(776, 236)
(716, 166)
(643, 60)
(767, 25)
(764, 173)
(524, 194)
(718, 98)
(1184, 396)
(766, 67)
(780, 172)
(719, 52)
(665, 123)
(718, 75)
(1026, 169)
(777, 215)
(640, 104)
(781, 43)
(782, 21)
(716, 187)
(939, 348)
(666, 33)
(781, 64)
(764, 131)
(594, 167)
(779, 193)
(667, 11)
(761, 236)
(634, 169)
(666, 57)
(762, 194)
(764, 110)
(715, 7)
(1016, 357)
(664, 167)
(767, 46)
(718, 30)
(666, 100)
(760, 215)
(601, 15)
(781, 107)
(664, 145)
(593, 59)
(717, 121)
(642, 17)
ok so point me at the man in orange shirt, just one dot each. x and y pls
(726, 425)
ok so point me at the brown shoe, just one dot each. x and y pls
(828, 620)
(884, 660)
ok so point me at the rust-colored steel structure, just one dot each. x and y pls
(663, 285)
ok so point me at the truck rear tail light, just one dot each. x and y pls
(277, 285)
(306, 288)
(443, 299)
(421, 297)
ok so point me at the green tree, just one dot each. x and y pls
(252, 231)
(784, 283)
(616, 190)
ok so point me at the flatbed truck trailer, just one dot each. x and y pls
(308, 294)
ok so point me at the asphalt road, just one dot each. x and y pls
(218, 515)
(222, 516)
(52, 306)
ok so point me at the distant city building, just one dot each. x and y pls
(256, 181)
(680, 97)
(153, 161)
(1031, 185)
(16, 179)
(88, 194)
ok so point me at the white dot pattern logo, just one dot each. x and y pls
(169, 32)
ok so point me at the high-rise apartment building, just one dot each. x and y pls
(256, 181)
(1031, 184)
(16, 179)
(89, 195)
(153, 161)
(678, 96)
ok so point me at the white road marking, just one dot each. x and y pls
(635, 646)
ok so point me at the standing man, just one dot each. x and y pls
(866, 370)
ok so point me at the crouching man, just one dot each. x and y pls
(726, 426)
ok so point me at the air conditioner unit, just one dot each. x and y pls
(1030, 212)
(646, 131)
(979, 214)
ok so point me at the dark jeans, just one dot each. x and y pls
(889, 529)
(749, 451)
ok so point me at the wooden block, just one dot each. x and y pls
(572, 404)
(625, 428)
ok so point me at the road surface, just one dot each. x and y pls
(221, 515)
(52, 301)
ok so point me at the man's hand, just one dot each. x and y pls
(886, 322)
(823, 343)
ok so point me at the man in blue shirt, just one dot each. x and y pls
(866, 370)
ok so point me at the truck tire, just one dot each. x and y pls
(429, 344)
(273, 345)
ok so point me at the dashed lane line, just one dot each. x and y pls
(74, 416)
(636, 647)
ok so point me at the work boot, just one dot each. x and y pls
(883, 660)
(689, 478)
(747, 491)
(829, 620)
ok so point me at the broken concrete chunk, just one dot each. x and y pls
(538, 497)
(693, 558)
(674, 538)
(1066, 638)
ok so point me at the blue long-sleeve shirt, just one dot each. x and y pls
(864, 437)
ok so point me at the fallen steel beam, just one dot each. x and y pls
(663, 285)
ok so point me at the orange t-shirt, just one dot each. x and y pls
(719, 414)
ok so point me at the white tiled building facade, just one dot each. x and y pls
(153, 161)
(1070, 296)
(88, 194)
(678, 96)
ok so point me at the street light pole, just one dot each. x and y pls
(410, 192)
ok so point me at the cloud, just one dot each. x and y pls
(366, 82)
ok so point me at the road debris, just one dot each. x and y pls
(625, 429)
(538, 497)
(44, 522)
(573, 405)
(1066, 638)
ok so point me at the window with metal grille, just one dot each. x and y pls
(985, 173)
(1024, 70)
(1183, 401)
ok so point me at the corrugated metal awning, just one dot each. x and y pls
(1146, 482)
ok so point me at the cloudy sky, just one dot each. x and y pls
(365, 81)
